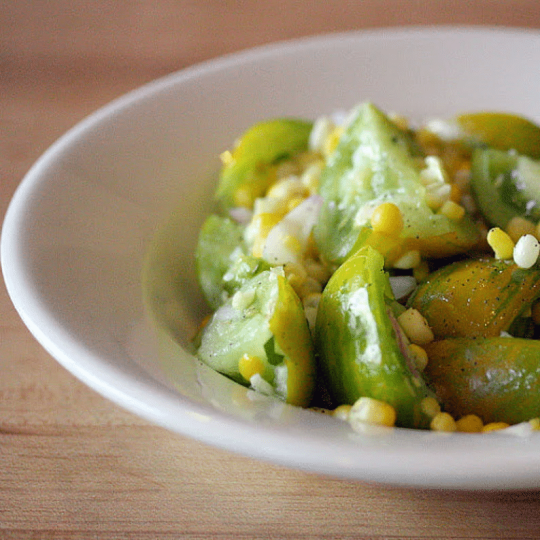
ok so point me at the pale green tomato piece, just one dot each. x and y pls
(362, 351)
(246, 173)
(374, 162)
(264, 319)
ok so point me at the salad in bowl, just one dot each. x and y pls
(378, 271)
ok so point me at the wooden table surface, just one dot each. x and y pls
(75, 466)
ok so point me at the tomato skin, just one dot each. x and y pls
(503, 131)
(359, 347)
(496, 378)
(476, 297)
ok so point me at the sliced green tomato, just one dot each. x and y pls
(496, 378)
(505, 185)
(246, 174)
(264, 319)
(292, 336)
(361, 347)
(476, 297)
(242, 269)
(376, 162)
(218, 238)
(221, 262)
(503, 131)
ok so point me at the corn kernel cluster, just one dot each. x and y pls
(524, 251)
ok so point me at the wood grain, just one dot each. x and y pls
(73, 465)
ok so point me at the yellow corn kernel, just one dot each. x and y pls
(310, 177)
(293, 202)
(342, 412)
(263, 224)
(331, 141)
(387, 219)
(286, 188)
(249, 365)
(372, 411)
(421, 271)
(410, 259)
(430, 407)
(452, 210)
(226, 157)
(518, 227)
(494, 426)
(419, 355)
(443, 422)
(416, 327)
(501, 243)
(292, 244)
(470, 424)
(535, 424)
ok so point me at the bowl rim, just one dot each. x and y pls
(265, 442)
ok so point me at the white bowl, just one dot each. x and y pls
(79, 227)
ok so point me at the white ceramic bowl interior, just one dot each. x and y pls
(82, 221)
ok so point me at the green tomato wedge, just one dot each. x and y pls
(247, 171)
(222, 263)
(496, 378)
(265, 320)
(476, 297)
(505, 185)
(374, 162)
(502, 131)
(361, 348)
(218, 238)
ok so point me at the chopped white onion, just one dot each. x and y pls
(241, 214)
(297, 224)
(402, 286)
(526, 251)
